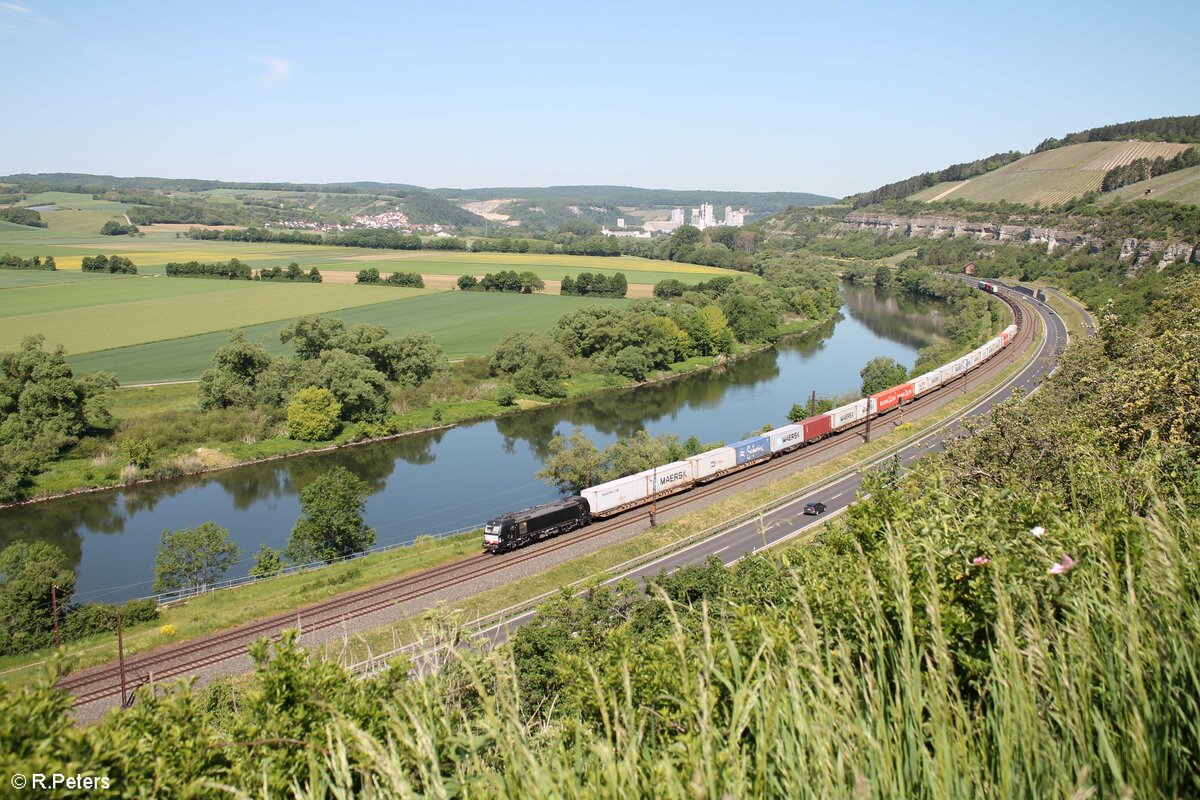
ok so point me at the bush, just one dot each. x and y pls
(467, 282)
(370, 276)
(115, 228)
(139, 452)
(313, 416)
(506, 396)
(410, 279)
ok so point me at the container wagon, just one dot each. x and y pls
(885, 401)
(847, 415)
(519, 528)
(709, 466)
(927, 382)
(756, 448)
(789, 437)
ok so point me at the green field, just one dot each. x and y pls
(463, 323)
(88, 316)
(1051, 177)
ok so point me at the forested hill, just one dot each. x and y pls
(760, 202)
(1159, 129)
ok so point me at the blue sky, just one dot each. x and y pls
(830, 98)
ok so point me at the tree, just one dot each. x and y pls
(574, 463)
(332, 524)
(234, 375)
(357, 385)
(313, 416)
(530, 282)
(193, 557)
(312, 334)
(631, 363)
(27, 571)
(884, 278)
(750, 320)
(467, 282)
(882, 373)
(268, 562)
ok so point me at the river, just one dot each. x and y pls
(454, 478)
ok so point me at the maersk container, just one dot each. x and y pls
(609, 497)
(786, 438)
(752, 449)
(816, 427)
(705, 465)
(668, 477)
(847, 415)
(885, 401)
(927, 382)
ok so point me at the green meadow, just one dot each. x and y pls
(463, 323)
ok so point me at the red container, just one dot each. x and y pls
(882, 402)
(816, 427)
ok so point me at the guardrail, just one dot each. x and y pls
(166, 598)
(378, 663)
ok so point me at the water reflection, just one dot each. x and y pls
(447, 479)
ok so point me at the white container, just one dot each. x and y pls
(785, 438)
(606, 497)
(927, 382)
(847, 415)
(703, 466)
(668, 477)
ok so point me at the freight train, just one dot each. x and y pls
(519, 528)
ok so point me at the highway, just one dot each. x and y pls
(789, 521)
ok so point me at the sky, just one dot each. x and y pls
(830, 97)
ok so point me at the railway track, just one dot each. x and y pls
(98, 683)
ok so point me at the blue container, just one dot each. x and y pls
(752, 449)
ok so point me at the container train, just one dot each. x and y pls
(519, 528)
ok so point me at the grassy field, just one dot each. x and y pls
(1054, 176)
(89, 316)
(463, 323)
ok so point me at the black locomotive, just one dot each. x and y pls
(519, 528)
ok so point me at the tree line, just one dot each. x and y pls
(111, 264)
(410, 279)
(1159, 129)
(595, 285)
(1143, 169)
(292, 272)
(376, 238)
(506, 280)
(21, 216)
(8, 261)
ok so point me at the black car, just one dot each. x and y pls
(812, 509)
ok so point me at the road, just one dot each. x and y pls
(788, 521)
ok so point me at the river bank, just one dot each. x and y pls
(72, 477)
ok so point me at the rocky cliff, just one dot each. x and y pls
(1137, 251)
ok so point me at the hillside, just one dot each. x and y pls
(1051, 176)
(1178, 187)
(634, 197)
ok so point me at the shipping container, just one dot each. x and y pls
(786, 438)
(607, 498)
(955, 368)
(927, 382)
(668, 478)
(706, 466)
(847, 415)
(816, 427)
(752, 449)
(885, 401)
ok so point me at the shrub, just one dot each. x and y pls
(506, 396)
(313, 416)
